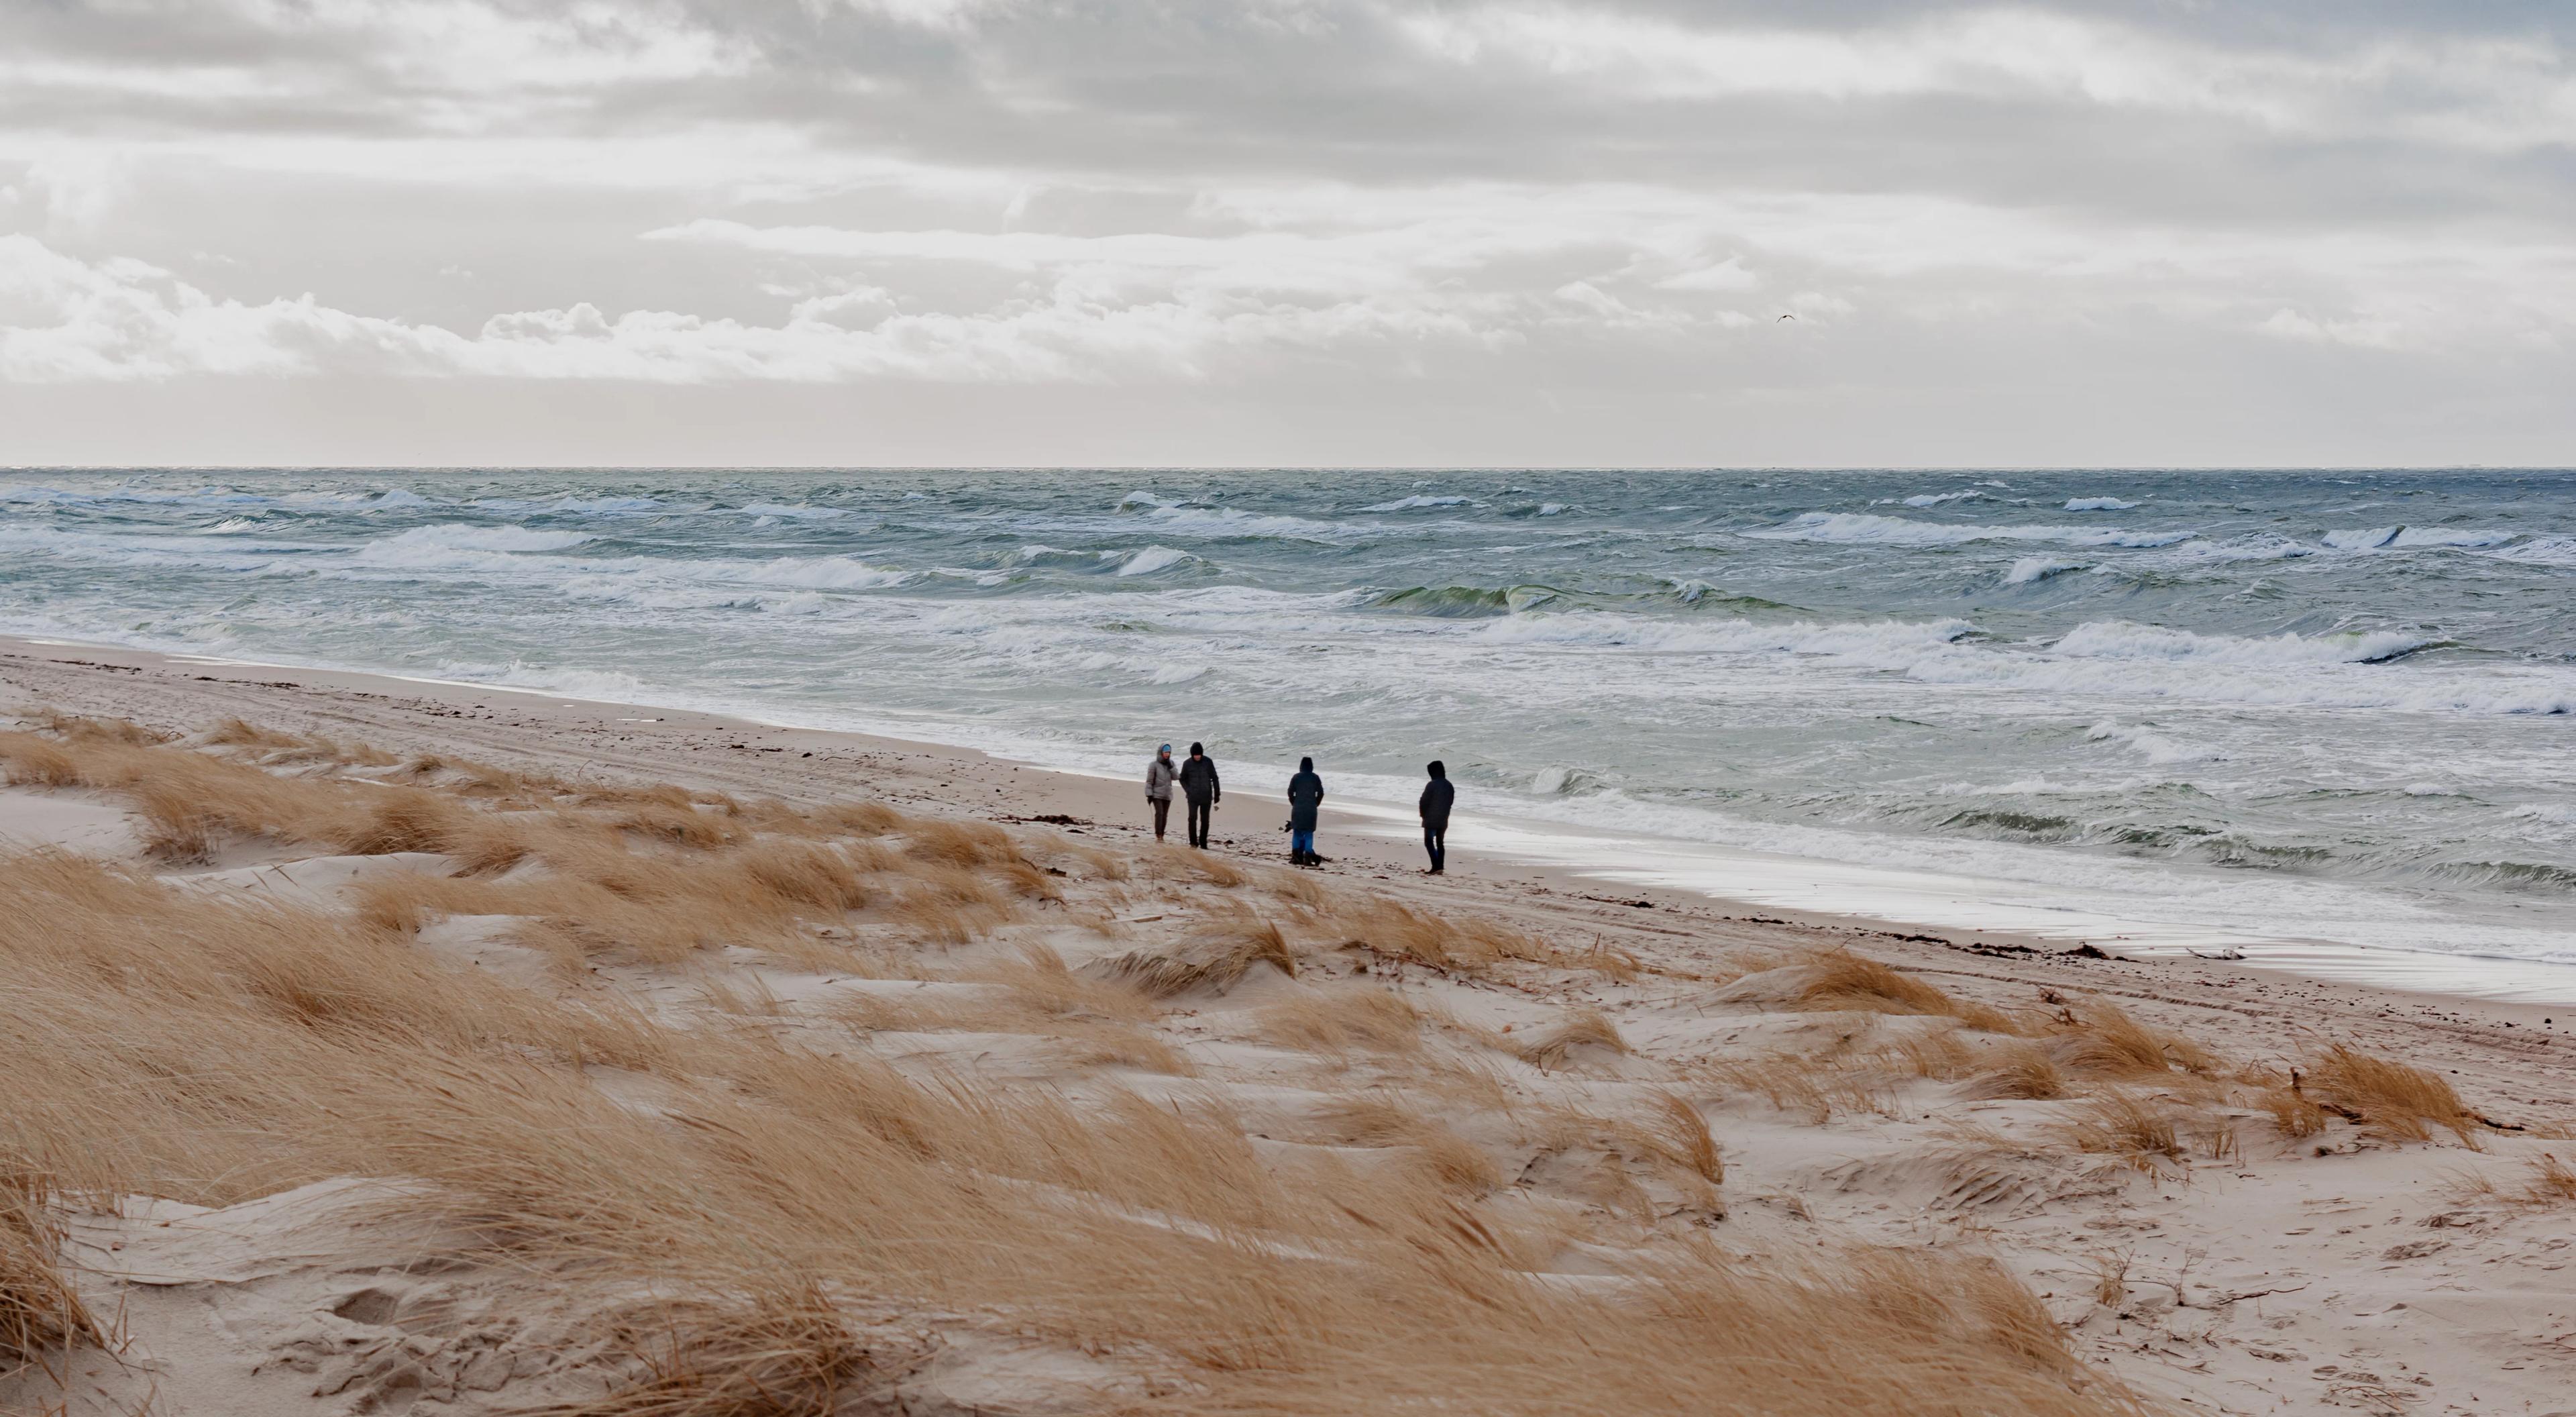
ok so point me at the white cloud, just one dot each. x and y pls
(2483, 93)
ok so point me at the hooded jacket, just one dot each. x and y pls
(1160, 774)
(1437, 797)
(1305, 797)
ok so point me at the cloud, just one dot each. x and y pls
(1518, 205)
(122, 320)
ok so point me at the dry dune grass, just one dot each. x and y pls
(34, 762)
(2389, 1099)
(1581, 1028)
(163, 1044)
(2547, 1182)
(1215, 959)
(2020, 1071)
(2096, 1036)
(1375, 1121)
(40, 1311)
(1391, 928)
(1181, 863)
(1840, 979)
(1814, 1085)
(2128, 1128)
(1357, 1018)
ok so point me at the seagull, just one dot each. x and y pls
(1784, 317)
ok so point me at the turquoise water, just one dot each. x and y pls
(2337, 704)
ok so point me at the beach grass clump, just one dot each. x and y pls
(41, 1313)
(2389, 1099)
(2020, 1071)
(1581, 1029)
(2097, 1036)
(2133, 1130)
(1355, 1018)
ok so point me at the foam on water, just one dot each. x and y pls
(2339, 703)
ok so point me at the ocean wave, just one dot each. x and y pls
(2538, 551)
(2031, 569)
(568, 506)
(2261, 546)
(1605, 629)
(2155, 747)
(2097, 504)
(792, 513)
(2530, 877)
(2418, 538)
(1867, 529)
(2120, 639)
(1151, 559)
(212, 496)
(1416, 503)
(816, 573)
(453, 536)
(1181, 518)
(1934, 499)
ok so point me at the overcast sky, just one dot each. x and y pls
(1266, 232)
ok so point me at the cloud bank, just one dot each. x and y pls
(1285, 231)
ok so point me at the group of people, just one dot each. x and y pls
(1196, 778)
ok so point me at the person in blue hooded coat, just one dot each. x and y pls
(1305, 803)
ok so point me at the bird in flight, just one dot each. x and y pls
(1784, 317)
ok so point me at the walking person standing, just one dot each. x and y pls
(1305, 797)
(1437, 798)
(1160, 774)
(1199, 784)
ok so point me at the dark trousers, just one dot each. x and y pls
(1435, 841)
(1200, 815)
(1162, 815)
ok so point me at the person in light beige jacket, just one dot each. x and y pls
(1160, 774)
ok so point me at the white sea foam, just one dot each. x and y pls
(2418, 538)
(2097, 504)
(1602, 629)
(2155, 747)
(570, 506)
(2264, 546)
(1867, 529)
(794, 513)
(458, 537)
(1416, 503)
(819, 573)
(2538, 551)
(1152, 559)
(1220, 522)
(1934, 499)
(2119, 639)
(2038, 568)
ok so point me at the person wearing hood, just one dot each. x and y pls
(1160, 774)
(1200, 785)
(1305, 800)
(1437, 798)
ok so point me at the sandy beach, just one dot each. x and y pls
(2199, 1175)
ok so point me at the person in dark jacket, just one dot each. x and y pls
(1437, 797)
(1305, 799)
(1199, 784)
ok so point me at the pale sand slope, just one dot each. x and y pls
(2253, 1272)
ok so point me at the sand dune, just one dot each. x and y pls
(372, 1052)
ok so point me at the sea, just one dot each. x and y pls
(2195, 706)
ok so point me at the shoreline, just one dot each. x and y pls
(1377, 838)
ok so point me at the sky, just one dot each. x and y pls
(2220, 233)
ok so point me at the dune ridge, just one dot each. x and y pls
(454, 1086)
